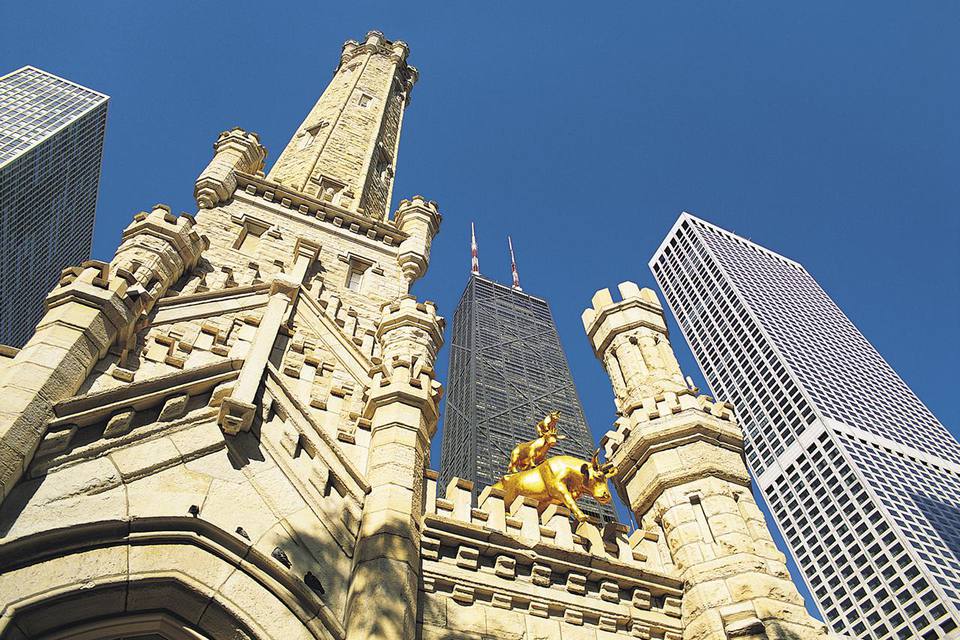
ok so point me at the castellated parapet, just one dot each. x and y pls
(507, 571)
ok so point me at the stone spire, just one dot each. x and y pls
(345, 151)
(680, 468)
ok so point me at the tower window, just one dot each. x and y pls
(249, 238)
(309, 135)
(356, 269)
(364, 100)
(355, 277)
(329, 190)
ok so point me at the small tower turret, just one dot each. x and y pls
(680, 468)
(632, 341)
(234, 150)
(420, 219)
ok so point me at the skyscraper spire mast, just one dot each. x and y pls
(513, 266)
(474, 254)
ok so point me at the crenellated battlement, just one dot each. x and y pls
(511, 563)
(523, 521)
(666, 404)
(376, 43)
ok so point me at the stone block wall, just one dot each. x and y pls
(145, 491)
(499, 571)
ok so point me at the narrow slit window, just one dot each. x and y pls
(355, 277)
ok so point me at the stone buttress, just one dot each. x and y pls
(681, 471)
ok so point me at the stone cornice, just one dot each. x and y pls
(87, 409)
(383, 393)
(327, 212)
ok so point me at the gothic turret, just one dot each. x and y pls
(680, 468)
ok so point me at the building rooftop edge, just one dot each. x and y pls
(520, 292)
(53, 75)
(685, 216)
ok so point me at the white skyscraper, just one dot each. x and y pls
(51, 145)
(862, 478)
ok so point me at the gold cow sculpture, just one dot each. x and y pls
(527, 455)
(560, 480)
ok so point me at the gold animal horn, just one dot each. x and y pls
(595, 460)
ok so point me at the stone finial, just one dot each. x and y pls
(234, 150)
(420, 219)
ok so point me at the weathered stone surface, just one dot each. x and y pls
(169, 492)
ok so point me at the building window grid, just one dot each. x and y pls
(48, 191)
(780, 291)
(797, 485)
(678, 274)
(691, 278)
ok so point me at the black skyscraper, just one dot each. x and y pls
(507, 371)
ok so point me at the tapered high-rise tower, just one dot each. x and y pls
(863, 479)
(507, 371)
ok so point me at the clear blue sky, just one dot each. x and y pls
(825, 131)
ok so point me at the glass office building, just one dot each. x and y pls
(51, 145)
(507, 371)
(863, 480)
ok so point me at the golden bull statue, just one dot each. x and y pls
(558, 480)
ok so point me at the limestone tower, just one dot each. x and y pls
(682, 473)
(223, 431)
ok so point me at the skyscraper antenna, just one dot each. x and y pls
(513, 266)
(474, 254)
